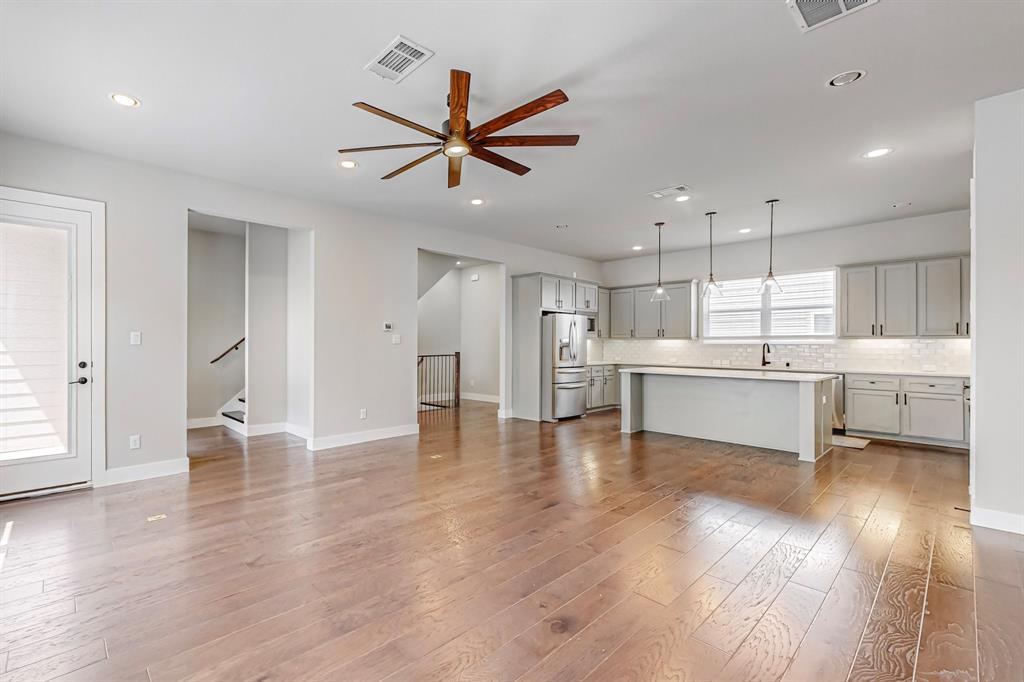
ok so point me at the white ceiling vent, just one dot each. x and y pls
(810, 14)
(668, 192)
(400, 58)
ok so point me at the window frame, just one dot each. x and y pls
(766, 311)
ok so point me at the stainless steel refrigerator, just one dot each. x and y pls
(564, 366)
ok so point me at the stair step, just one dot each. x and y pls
(242, 399)
(237, 415)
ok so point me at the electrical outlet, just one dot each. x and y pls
(472, 383)
(362, 413)
(396, 339)
(134, 441)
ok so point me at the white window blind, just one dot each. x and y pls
(806, 307)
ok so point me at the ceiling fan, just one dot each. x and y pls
(457, 139)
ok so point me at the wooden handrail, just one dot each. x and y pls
(233, 346)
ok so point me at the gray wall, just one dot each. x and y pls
(266, 325)
(300, 331)
(438, 316)
(481, 313)
(364, 273)
(997, 317)
(216, 319)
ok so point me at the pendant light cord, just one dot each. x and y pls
(711, 246)
(659, 225)
(771, 236)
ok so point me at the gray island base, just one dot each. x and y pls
(789, 411)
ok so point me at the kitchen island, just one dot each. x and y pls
(790, 411)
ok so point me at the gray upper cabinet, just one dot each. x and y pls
(940, 295)
(549, 292)
(604, 303)
(566, 294)
(586, 297)
(647, 315)
(678, 320)
(897, 299)
(557, 293)
(857, 301)
(621, 313)
(965, 296)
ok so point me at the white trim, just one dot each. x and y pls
(203, 422)
(297, 430)
(97, 211)
(139, 472)
(46, 491)
(999, 520)
(482, 397)
(342, 439)
(264, 429)
(235, 426)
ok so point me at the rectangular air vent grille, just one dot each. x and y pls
(400, 58)
(668, 192)
(810, 14)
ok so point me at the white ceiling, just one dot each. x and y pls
(728, 97)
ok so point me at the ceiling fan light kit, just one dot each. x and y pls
(457, 139)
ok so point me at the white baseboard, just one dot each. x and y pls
(237, 427)
(264, 429)
(998, 520)
(327, 442)
(482, 397)
(139, 472)
(203, 422)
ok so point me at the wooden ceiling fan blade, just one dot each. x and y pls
(529, 141)
(351, 150)
(399, 120)
(412, 164)
(539, 105)
(458, 103)
(498, 160)
(454, 171)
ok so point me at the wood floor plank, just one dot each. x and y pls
(948, 650)
(505, 549)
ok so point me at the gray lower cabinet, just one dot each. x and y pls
(875, 411)
(602, 386)
(917, 407)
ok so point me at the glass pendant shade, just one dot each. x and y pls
(770, 284)
(711, 288)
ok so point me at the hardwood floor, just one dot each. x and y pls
(486, 550)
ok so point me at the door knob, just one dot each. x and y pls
(79, 380)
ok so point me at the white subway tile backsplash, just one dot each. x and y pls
(909, 355)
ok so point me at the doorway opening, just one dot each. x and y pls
(459, 328)
(249, 330)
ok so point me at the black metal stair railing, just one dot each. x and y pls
(438, 378)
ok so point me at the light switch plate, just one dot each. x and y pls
(474, 278)
(362, 413)
(134, 441)
(396, 339)
(135, 338)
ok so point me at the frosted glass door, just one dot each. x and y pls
(45, 329)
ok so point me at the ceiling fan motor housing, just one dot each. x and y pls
(446, 127)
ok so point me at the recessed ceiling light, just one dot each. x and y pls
(876, 153)
(125, 100)
(846, 78)
(637, 248)
(458, 262)
(348, 164)
(476, 202)
(745, 230)
(683, 197)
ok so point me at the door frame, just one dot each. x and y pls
(97, 211)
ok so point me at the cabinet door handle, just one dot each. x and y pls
(958, 329)
(881, 330)
(872, 329)
(897, 398)
(968, 332)
(904, 398)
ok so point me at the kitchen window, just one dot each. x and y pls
(805, 308)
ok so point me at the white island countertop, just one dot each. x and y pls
(957, 373)
(765, 375)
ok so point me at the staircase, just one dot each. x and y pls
(237, 415)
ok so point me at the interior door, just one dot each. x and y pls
(45, 347)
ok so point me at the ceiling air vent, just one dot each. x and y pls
(668, 192)
(400, 58)
(810, 14)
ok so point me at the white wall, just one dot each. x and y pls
(266, 325)
(997, 315)
(438, 314)
(364, 269)
(923, 236)
(431, 267)
(481, 313)
(300, 331)
(216, 319)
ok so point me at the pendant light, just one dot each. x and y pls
(711, 288)
(659, 292)
(769, 283)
